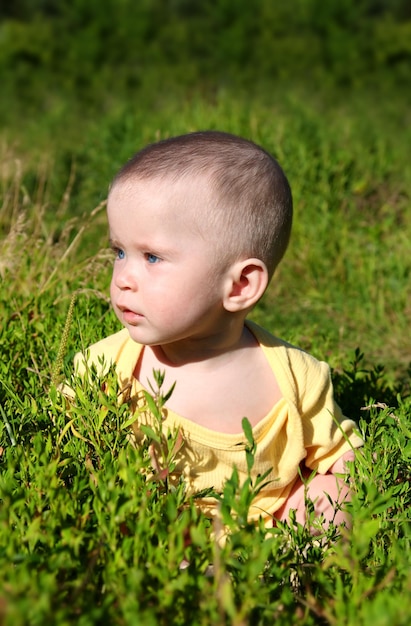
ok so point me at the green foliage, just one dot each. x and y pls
(91, 533)
(83, 526)
(88, 48)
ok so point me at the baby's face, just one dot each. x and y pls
(167, 285)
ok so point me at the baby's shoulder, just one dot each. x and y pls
(103, 353)
(287, 358)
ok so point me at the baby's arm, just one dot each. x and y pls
(328, 492)
(340, 465)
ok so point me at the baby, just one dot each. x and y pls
(198, 224)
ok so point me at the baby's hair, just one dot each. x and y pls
(250, 207)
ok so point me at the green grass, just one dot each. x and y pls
(85, 537)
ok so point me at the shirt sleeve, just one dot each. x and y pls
(328, 434)
(102, 354)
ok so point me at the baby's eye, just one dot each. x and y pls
(152, 258)
(120, 254)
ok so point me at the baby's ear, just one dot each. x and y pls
(246, 282)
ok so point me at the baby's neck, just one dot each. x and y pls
(216, 347)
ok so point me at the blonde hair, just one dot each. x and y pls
(251, 205)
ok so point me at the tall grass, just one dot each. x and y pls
(85, 536)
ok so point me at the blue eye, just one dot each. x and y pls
(120, 254)
(152, 258)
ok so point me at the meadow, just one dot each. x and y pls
(85, 537)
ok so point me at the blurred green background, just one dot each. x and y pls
(111, 48)
(82, 75)
(95, 53)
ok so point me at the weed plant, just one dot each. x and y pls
(91, 529)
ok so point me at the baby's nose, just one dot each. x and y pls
(126, 277)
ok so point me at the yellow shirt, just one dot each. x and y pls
(305, 425)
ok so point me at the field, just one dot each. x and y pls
(84, 537)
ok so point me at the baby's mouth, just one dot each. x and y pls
(131, 317)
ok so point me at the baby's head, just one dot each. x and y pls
(242, 199)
